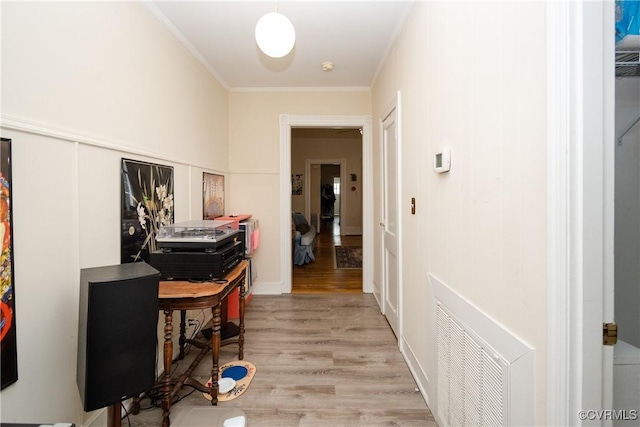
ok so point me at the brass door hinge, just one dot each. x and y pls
(609, 333)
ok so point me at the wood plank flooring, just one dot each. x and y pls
(321, 360)
(321, 276)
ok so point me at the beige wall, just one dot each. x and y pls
(331, 148)
(254, 159)
(472, 78)
(83, 85)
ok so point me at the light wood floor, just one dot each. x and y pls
(321, 360)
(321, 276)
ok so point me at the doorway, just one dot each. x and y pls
(364, 185)
(334, 213)
(626, 353)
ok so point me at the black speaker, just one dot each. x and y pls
(117, 333)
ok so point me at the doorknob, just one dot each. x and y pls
(382, 224)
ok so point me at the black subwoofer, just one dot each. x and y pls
(117, 332)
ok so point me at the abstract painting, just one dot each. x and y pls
(8, 352)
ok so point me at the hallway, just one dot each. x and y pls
(321, 276)
(321, 360)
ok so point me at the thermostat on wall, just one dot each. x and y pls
(442, 161)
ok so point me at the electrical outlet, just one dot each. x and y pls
(192, 322)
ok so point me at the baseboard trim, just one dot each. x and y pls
(419, 375)
(351, 231)
(266, 289)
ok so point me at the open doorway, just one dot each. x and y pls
(364, 184)
(325, 159)
(626, 358)
(324, 197)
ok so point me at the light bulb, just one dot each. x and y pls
(275, 35)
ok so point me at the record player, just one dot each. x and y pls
(198, 249)
(197, 234)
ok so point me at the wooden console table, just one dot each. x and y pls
(183, 296)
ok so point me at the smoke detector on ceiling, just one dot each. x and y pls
(327, 66)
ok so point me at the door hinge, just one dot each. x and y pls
(609, 333)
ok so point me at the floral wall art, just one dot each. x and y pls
(8, 352)
(212, 195)
(147, 205)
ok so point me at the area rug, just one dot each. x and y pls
(242, 372)
(348, 257)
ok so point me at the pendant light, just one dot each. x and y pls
(275, 34)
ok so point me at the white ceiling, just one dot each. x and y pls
(355, 35)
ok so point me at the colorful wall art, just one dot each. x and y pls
(8, 341)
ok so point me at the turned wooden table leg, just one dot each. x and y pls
(241, 302)
(168, 357)
(136, 405)
(183, 332)
(215, 353)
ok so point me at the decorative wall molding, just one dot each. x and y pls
(301, 89)
(27, 126)
(497, 342)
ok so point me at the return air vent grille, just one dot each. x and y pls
(472, 379)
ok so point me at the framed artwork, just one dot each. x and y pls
(297, 182)
(212, 195)
(9, 351)
(147, 205)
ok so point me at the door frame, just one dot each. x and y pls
(288, 121)
(580, 183)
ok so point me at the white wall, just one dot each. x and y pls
(627, 222)
(472, 78)
(83, 85)
(254, 160)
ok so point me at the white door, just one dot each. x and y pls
(389, 223)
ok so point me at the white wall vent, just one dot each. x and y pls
(471, 377)
(484, 373)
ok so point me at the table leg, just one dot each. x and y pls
(241, 302)
(136, 405)
(215, 353)
(168, 357)
(183, 332)
(114, 415)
